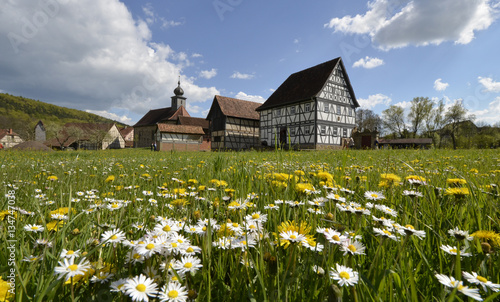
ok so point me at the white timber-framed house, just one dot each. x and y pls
(234, 124)
(312, 109)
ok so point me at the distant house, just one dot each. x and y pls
(128, 136)
(152, 129)
(88, 136)
(9, 138)
(40, 133)
(313, 109)
(406, 143)
(234, 123)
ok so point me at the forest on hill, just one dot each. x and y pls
(22, 114)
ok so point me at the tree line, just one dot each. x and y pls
(451, 126)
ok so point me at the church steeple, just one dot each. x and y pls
(178, 100)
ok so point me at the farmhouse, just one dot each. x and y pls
(88, 136)
(234, 124)
(9, 138)
(182, 133)
(128, 136)
(313, 109)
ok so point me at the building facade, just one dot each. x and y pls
(234, 124)
(313, 109)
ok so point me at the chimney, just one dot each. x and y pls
(10, 131)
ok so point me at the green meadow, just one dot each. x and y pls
(135, 225)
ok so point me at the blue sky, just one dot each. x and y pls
(122, 58)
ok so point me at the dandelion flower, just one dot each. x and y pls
(140, 288)
(344, 275)
(173, 292)
(489, 237)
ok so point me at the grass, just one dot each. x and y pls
(215, 202)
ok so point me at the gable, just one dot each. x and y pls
(338, 87)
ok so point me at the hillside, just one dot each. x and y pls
(21, 114)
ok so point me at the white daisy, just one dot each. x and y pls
(113, 236)
(188, 264)
(67, 268)
(69, 254)
(352, 247)
(452, 283)
(344, 275)
(452, 250)
(148, 248)
(385, 233)
(459, 234)
(173, 292)
(118, 285)
(34, 228)
(372, 195)
(474, 278)
(140, 288)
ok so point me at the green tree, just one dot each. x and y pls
(393, 119)
(455, 115)
(420, 112)
(368, 120)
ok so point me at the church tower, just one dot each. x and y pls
(178, 100)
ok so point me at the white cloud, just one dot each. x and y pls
(374, 100)
(169, 23)
(404, 104)
(489, 84)
(113, 116)
(254, 98)
(440, 86)
(241, 76)
(397, 23)
(193, 109)
(196, 55)
(208, 74)
(89, 55)
(489, 115)
(368, 62)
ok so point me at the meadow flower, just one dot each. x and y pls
(42, 242)
(490, 237)
(410, 230)
(32, 258)
(452, 250)
(474, 278)
(385, 233)
(134, 257)
(188, 264)
(140, 288)
(69, 254)
(6, 293)
(173, 292)
(457, 192)
(67, 268)
(256, 217)
(459, 234)
(386, 210)
(352, 247)
(335, 197)
(412, 193)
(190, 250)
(318, 270)
(271, 206)
(113, 236)
(344, 275)
(101, 277)
(384, 221)
(118, 285)
(372, 195)
(292, 236)
(452, 283)
(456, 182)
(334, 237)
(148, 248)
(167, 226)
(34, 228)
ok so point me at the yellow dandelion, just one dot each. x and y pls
(490, 237)
(303, 187)
(6, 292)
(110, 178)
(457, 192)
(52, 178)
(390, 178)
(456, 182)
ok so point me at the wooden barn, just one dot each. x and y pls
(313, 109)
(234, 124)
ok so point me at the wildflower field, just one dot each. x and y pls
(135, 225)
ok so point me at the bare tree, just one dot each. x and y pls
(420, 112)
(393, 119)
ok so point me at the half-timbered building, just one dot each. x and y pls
(234, 124)
(312, 109)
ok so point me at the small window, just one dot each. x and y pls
(307, 107)
(292, 110)
(327, 107)
(292, 131)
(323, 130)
(345, 132)
(350, 111)
(335, 131)
(338, 109)
(277, 112)
(306, 130)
